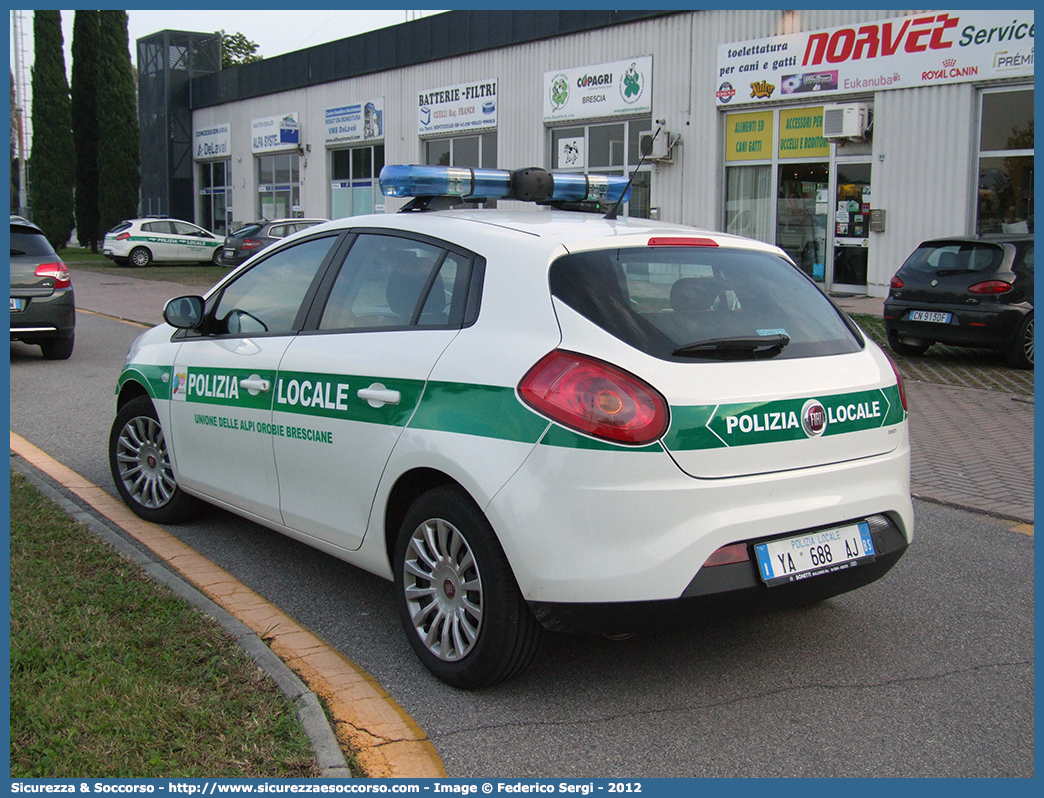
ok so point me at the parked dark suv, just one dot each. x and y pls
(255, 236)
(43, 310)
(965, 291)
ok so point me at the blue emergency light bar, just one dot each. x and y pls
(527, 185)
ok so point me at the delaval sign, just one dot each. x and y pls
(921, 50)
(600, 90)
(213, 141)
(354, 122)
(275, 133)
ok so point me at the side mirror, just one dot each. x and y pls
(184, 312)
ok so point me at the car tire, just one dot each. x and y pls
(898, 346)
(58, 348)
(215, 259)
(141, 469)
(1020, 353)
(140, 257)
(458, 599)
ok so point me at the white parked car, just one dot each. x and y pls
(528, 419)
(139, 242)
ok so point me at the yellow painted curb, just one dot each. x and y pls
(1025, 529)
(369, 724)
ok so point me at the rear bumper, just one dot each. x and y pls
(989, 326)
(45, 318)
(720, 592)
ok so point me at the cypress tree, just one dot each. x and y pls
(85, 126)
(119, 173)
(52, 171)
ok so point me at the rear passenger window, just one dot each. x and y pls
(393, 282)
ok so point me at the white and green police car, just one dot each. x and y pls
(528, 419)
(139, 242)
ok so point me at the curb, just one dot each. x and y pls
(364, 718)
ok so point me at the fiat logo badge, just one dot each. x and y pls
(813, 418)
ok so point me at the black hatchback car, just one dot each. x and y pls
(43, 310)
(965, 291)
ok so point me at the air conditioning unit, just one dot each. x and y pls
(657, 149)
(847, 121)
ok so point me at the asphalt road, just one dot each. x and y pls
(928, 672)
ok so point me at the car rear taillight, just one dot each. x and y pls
(677, 241)
(250, 243)
(595, 398)
(896, 282)
(898, 380)
(59, 271)
(990, 287)
(123, 236)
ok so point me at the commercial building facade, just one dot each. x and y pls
(844, 136)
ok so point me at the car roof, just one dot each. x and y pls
(21, 222)
(988, 238)
(571, 230)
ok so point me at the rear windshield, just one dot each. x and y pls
(682, 303)
(247, 230)
(120, 228)
(26, 241)
(956, 257)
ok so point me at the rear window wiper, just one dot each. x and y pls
(948, 272)
(755, 347)
(17, 251)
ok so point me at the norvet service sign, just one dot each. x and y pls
(927, 49)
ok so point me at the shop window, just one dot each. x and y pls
(610, 148)
(748, 202)
(1005, 175)
(477, 151)
(354, 187)
(279, 186)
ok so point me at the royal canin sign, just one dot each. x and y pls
(903, 52)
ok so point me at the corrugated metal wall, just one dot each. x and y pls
(924, 148)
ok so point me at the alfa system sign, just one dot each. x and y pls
(900, 53)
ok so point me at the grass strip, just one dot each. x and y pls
(113, 676)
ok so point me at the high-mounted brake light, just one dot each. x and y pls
(59, 271)
(678, 241)
(595, 398)
(526, 185)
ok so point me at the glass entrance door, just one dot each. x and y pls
(801, 215)
(851, 227)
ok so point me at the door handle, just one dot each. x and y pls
(378, 396)
(255, 384)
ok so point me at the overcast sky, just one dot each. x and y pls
(276, 32)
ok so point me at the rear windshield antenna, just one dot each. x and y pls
(611, 216)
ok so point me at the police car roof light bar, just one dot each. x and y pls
(526, 185)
